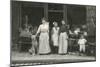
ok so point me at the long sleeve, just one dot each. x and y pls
(48, 26)
(48, 29)
(38, 31)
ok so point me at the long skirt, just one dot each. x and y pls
(44, 47)
(63, 43)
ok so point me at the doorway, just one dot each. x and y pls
(57, 17)
(55, 13)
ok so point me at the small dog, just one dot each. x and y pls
(32, 50)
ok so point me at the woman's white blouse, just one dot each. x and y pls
(43, 28)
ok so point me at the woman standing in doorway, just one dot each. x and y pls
(63, 42)
(44, 47)
(55, 32)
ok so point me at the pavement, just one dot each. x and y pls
(25, 58)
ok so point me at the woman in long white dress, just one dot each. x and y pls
(44, 47)
(55, 32)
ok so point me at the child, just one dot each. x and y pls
(82, 42)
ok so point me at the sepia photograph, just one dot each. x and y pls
(45, 33)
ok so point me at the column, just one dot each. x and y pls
(65, 13)
(46, 11)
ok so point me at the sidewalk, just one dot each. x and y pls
(26, 57)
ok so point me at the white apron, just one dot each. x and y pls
(55, 36)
